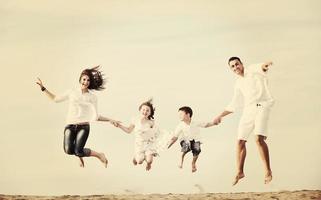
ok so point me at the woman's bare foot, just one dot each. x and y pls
(194, 169)
(81, 162)
(268, 177)
(103, 159)
(134, 161)
(238, 177)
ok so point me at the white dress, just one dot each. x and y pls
(145, 137)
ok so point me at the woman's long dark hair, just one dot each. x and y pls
(150, 105)
(96, 78)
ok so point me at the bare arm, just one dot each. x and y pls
(174, 139)
(106, 119)
(128, 129)
(47, 92)
(209, 124)
(266, 65)
(218, 119)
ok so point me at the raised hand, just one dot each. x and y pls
(39, 82)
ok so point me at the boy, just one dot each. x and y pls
(189, 133)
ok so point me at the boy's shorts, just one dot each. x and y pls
(193, 146)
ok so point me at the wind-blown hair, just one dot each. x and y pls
(150, 105)
(96, 78)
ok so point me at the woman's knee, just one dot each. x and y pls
(68, 150)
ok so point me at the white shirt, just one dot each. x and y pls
(144, 131)
(82, 106)
(189, 132)
(253, 87)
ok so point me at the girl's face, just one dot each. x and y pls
(145, 111)
(84, 82)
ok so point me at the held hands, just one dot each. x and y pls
(115, 123)
(217, 120)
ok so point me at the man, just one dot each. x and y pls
(257, 101)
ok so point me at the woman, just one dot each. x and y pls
(82, 110)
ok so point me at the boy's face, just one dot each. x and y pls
(182, 115)
(237, 67)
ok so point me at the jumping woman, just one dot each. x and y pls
(82, 110)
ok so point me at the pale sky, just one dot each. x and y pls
(173, 51)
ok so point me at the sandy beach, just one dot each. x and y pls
(282, 195)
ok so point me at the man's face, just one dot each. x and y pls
(237, 67)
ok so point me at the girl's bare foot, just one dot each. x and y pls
(134, 161)
(194, 169)
(237, 178)
(268, 177)
(103, 159)
(148, 166)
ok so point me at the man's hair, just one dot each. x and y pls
(234, 58)
(187, 110)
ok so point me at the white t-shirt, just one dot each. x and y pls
(189, 132)
(82, 106)
(253, 87)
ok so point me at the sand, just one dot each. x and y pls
(282, 195)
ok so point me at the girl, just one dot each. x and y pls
(145, 134)
(82, 110)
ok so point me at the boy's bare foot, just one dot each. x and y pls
(237, 178)
(103, 159)
(134, 161)
(148, 166)
(194, 169)
(268, 177)
(81, 162)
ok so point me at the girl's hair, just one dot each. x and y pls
(150, 105)
(96, 78)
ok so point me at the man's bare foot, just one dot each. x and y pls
(237, 178)
(148, 166)
(180, 166)
(194, 169)
(268, 177)
(81, 162)
(134, 161)
(103, 159)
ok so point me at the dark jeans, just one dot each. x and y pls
(75, 137)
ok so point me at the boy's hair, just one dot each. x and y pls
(187, 110)
(234, 58)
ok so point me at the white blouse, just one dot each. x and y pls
(82, 106)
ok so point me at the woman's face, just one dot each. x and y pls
(84, 82)
(145, 111)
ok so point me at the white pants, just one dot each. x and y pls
(254, 118)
